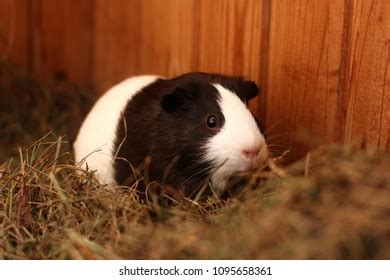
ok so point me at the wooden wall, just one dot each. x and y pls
(322, 65)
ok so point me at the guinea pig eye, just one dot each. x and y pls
(212, 121)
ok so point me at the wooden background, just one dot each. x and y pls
(322, 65)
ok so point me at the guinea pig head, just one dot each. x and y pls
(217, 136)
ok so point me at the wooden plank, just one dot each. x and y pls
(152, 37)
(231, 37)
(368, 103)
(171, 37)
(14, 32)
(116, 41)
(62, 39)
(305, 59)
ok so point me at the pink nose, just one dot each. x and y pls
(251, 153)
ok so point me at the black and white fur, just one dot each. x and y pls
(197, 123)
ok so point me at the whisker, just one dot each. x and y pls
(193, 175)
(200, 171)
(274, 125)
(276, 136)
(276, 142)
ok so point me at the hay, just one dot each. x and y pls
(339, 209)
(333, 204)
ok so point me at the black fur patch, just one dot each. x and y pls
(245, 90)
(166, 121)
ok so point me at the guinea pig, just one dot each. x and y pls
(197, 124)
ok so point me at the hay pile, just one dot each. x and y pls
(333, 204)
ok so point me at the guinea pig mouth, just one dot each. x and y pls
(252, 164)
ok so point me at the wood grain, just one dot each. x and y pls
(305, 58)
(141, 37)
(231, 38)
(62, 39)
(14, 32)
(171, 37)
(115, 41)
(323, 66)
(368, 83)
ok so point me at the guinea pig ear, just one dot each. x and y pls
(179, 100)
(250, 90)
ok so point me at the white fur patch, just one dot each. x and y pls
(96, 138)
(239, 132)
